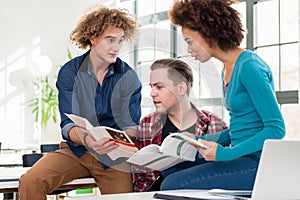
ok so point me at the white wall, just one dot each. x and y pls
(28, 29)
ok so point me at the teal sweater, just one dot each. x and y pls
(254, 112)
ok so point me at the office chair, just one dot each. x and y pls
(30, 159)
(45, 148)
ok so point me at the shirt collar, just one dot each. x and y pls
(110, 72)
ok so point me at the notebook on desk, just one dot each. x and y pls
(278, 175)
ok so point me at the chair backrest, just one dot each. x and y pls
(30, 159)
(49, 147)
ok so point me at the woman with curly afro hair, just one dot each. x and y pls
(102, 88)
(212, 28)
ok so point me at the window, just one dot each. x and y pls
(276, 40)
(275, 37)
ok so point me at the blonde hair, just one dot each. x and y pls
(178, 71)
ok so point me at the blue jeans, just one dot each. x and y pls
(238, 174)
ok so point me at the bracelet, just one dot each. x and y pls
(84, 139)
(86, 144)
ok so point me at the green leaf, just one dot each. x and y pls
(49, 109)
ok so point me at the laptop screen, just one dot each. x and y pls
(278, 174)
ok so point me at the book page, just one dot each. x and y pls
(80, 121)
(122, 152)
(178, 148)
(181, 136)
(126, 147)
(99, 133)
(118, 135)
(171, 152)
(151, 157)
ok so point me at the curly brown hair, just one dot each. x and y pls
(215, 20)
(98, 19)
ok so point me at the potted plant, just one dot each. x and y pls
(45, 105)
(46, 102)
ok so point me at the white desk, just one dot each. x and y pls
(9, 180)
(11, 160)
(149, 195)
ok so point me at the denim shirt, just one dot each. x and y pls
(117, 103)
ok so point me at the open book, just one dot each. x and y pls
(188, 139)
(126, 146)
(175, 148)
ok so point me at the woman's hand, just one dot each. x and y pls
(102, 146)
(208, 154)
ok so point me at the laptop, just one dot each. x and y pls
(277, 178)
(278, 174)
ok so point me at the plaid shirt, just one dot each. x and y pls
(150, 132)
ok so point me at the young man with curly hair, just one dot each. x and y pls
(104, 89)
(171, 81)
(212, 28)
